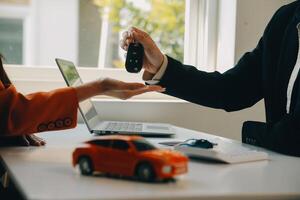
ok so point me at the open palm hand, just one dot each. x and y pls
(123, 90)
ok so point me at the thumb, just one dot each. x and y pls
(142, 37)
(152, 52)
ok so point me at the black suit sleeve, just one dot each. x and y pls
(238, 88)
(282, 137)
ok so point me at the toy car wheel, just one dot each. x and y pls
(145, 172)
(85, 165)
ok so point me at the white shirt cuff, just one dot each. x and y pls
(156, 78)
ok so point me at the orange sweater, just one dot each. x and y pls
(37, 112)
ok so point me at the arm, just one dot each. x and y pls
(37, 112)
(236, 89)
(282, 136)
(55, 110)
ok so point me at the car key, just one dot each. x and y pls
(134, 57)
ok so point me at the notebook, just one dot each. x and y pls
(223, 150)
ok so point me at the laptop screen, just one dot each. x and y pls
(72, 78)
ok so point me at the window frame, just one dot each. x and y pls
(10, 11)
(201, 34)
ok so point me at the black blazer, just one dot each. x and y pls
(261, 74)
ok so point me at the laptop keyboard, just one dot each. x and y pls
(124, 127)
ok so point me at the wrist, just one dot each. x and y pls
(160, 64)
(151, 72)
(151, 78)
(147, 76)
(98, 86)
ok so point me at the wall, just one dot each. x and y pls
(226, 34)
(60, 17)
(89, 34)
(252, 18)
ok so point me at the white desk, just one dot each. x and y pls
(47, 173)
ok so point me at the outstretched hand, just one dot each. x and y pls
(123, 90)
(114, 88)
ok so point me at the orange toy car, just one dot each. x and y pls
(130, 156)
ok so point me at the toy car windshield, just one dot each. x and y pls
(143, 145)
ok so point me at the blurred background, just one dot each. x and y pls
(34, 32)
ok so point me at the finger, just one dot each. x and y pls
(152, 52)
(33, 141)
(125, 34)
(156, 88)
(132, 93)
(140, 86)
(122, 44)
(152, 88)
(126, 94)
(23, 141)
(128, 41)
(133, 86)
(133, 28)
(41, 140)
(142, 38)
(125, 41)
(122, 86)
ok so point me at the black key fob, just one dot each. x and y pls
(205, 144)
(134, 58)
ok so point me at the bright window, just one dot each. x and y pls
(88, 31)
(11, 40)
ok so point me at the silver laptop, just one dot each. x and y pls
(93, 120)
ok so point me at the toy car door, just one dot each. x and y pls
(101, 155)
(122, 160)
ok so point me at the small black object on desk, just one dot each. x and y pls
(200, 143)
(134, 58)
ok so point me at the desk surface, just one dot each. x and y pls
(47, 173)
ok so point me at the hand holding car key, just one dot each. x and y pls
(151, 58)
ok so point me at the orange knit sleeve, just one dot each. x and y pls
(37, 112)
